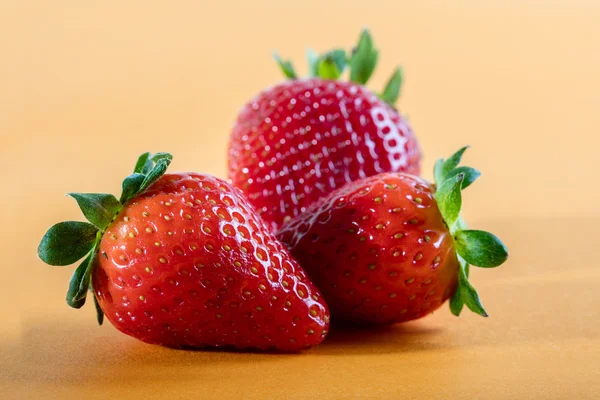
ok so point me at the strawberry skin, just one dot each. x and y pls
(393, 247)
(182, 260)
(378, 249)
(188, 263)
(304, 138)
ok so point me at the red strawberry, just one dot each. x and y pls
(304, 138)
(183, 261)
(391, 248)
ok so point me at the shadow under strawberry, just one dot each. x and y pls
(352, 339)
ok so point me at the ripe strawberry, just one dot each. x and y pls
(183, 261)
(304, 138)
(392, 248)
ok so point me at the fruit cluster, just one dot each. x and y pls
(323, 216)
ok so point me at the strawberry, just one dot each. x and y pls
(393, 247)
(304, 138)
(182, 260)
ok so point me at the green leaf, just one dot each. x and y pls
(67, 242)
(462, 262)
(286, 67)
(80, 282)
(437, 171)
(131, 186)
(469, 294)
(449, 199)
(98, 208)
(332, 64)
(137, 183)
(460, 225)
(364, 59)
(392, 88)
(452, 163)
(159, 170)
(99, 312)
(339, 58)
(471, 174)
(480, 248)
(156, 157)
(313, 62)
(143, 165)
(456, 303)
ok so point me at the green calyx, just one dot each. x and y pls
(473, 247)
(361, 62)
(69, 241)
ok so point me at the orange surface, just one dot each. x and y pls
(85, 87)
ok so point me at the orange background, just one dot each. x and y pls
(87, 86)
